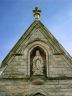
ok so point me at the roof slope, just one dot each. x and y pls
(28, 31)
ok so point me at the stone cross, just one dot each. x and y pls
(36, 12)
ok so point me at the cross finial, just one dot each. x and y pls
(36, 12)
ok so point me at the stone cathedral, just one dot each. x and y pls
(37, 65)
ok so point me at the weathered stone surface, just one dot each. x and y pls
(25, 88)
(16, 72)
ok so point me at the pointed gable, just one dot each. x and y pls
(17, 65)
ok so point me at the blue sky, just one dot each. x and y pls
(16, 16)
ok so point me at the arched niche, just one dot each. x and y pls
(37, 61)
(48, 49)
(31, 54)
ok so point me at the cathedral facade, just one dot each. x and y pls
(38, 65)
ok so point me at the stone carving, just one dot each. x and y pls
(37, 64)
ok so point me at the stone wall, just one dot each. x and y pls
(56, 65)
(22, 87)
(16, 78)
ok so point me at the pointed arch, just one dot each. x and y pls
(38, 94)
(31, 54)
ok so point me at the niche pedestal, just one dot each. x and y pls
(38, 79)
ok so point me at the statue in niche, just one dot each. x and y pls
(38, 64)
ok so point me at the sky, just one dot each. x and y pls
(16, 16)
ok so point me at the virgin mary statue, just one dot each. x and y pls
(37, 64)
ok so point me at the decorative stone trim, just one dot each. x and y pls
(29, 52)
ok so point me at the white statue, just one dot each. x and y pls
(37, 64)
